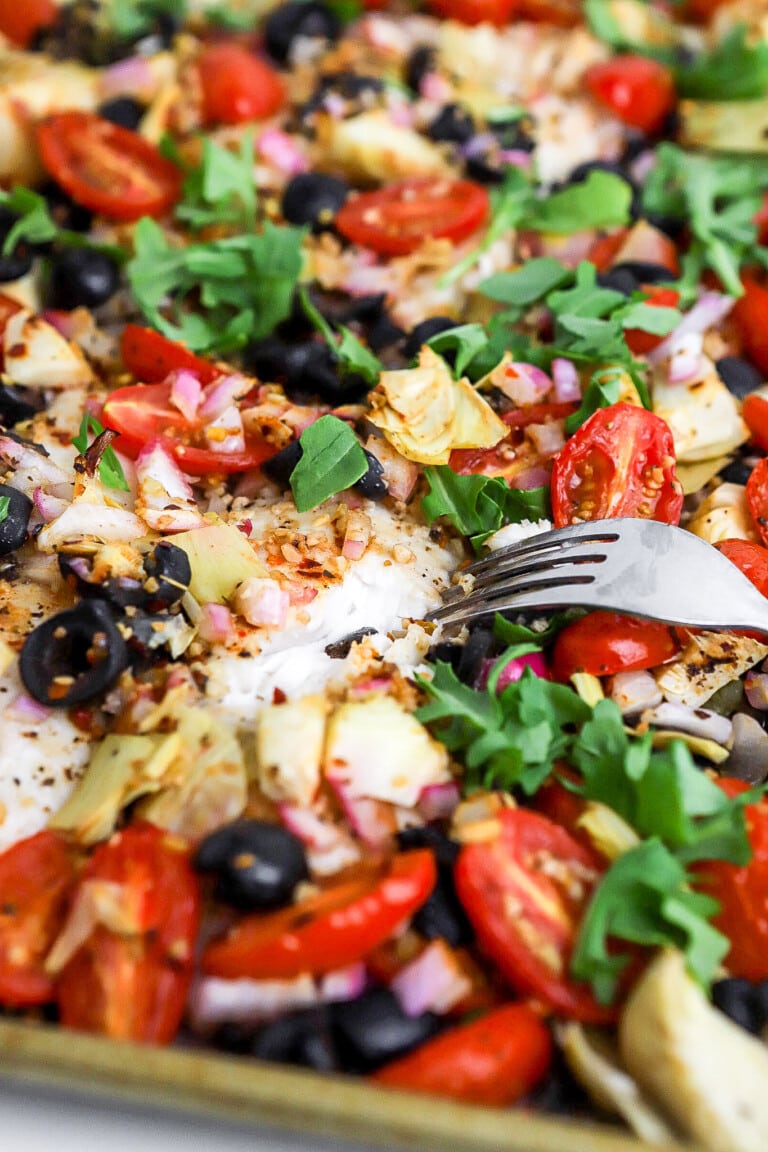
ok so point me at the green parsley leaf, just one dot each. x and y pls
(510, 633)
(331, 460)
(477, 506)
(223, 16)
(5, 505)
(241, 287)
(603, 390)
(528, 284)
(466, 339)
(600, 201)
(353, 356)
(36, 225)
(644, 898)
(110, 469)
(509, 204)
(733, 70)
(221, 190)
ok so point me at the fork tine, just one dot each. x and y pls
(543, 596)
(516, 574)
(558, 540)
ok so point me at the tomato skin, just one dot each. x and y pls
(493, 1060)
(238, 86)
(36, 880)
(604, 643)
(755, 414)
(639, 91)
(639, 342)
(757, 497)
(151, 357)
(498, 12)
(749, 314)
(134, 986)
(750, 558)
(395, 220)
(337, 927)
(511, 871)
(107, 168)
(20, 21)
(143, 412)
(606, 468)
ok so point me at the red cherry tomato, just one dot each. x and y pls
(755, 413)
(525, 892)
(498, 12)
(107, 168)
(750, 558)
(492, 1061)
(621, 462)
(133, 985)
(639, 91)
(564, 13)
(143, 412)
(513, 454)
(337, 927)
(150, 356)
(757, 497)
(603, 643)
(640, 342)
(237, 85)
(750, 315)
(702, 10)
(36, 880)
(743, 895)
(393, 221)
(21, 19)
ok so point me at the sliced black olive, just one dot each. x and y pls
(374, 1029)
(19, 260)
(341, 649)
(478, 648)
(168, 575)
(453, 124)
(619, 279)
(13, 526)
(428, 836)
(256, 864)
(314, 198)
(739, 376)
(484, 169)
(646, 271)
(442, 917)
(425, 331)
(421, 61)
(513, 135)
(358, 91)
(447, 652)
(302, 1038)
(383, 333)
(123, 110)
(280, 466)
(123, 591)
(64, 210)
(305, 370)
(82, 276)
(73, 656)
(736, 998)
(17, 404)
(372, 484)
(737, 472)
(306, 18)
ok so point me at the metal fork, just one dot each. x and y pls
(635, 566)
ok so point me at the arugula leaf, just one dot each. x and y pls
(5, 505)
(601, 201)
(222, 16)
(510, 633)
(353, 356)
(467, 339)
(644, 898)
(733, 70)
(36, 225)
(528, 284)
(221, 190)
(478, 506)
(241, 286)
(331, 460)
(509, 205)
(132, 18)
(110, 469)
(604, 389)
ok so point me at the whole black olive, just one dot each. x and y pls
(168, 575)
(306, 18)
(306, 369)
(280, 466)
(302, 1038)
(737, 472)
(19, 260)
(314, 198)
(442, 916)
(73, 656)
(739, 376)
(383, 333)
(425, 331)
(17, 404)
(453, 124)
(428, 836)
(256, 864)
(13, 525)
(372, 484)
(373, 1029)
(735, 997)
(646, 271)
(84, 276)
(122, 110)
(65, 212)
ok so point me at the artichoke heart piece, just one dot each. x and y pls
(290, 738)
(724, 515)
(220, 558)
(708, 661)
(371, 146)
(725, 126)
(424, 413)
(703, 417)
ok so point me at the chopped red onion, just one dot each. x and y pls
(438, 801)
(165, 499)
(566, 381)
(329, 848)
(537, 476)
(433, 982)
(685, 363)
(26, 710)
(435, 87)
(357, 535)
(478, 145)
(186, 391)
(129, 77)
(214, 1001)
(344, 984)
(634, 691)
(282, 151)
(546, 438)
(709, 310)
(262, 602)
(63, 322)
(516, 158)
(514, 669)
(221, 394)
(372, 820)
(400, 475)
(216, 624)
(523, 383)
(48, 507)
(225, 433)
(756, 690)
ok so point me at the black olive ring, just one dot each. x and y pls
(73, 656)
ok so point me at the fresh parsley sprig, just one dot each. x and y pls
(36, 225)
(477, 506)
(221, 189)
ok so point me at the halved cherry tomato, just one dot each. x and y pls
(21, 19)
(742, 893)
(640, 342)
(493, 1060)
(525, 891)
(621, 462)
(142, 412)
(150, 356)
(757, 497)
(642, 242)
(513, 455)
(237, 85)
(107, 168)
(749, 315)
(603, 643)
(337, 927)
(640, 91)
(755, 413)
(563, 13)
(750, 558)
(498, 12)
(36, 880)
(395, 220)
(133, 985)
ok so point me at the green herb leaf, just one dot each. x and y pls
(5, 505)
(478, 506)
(110, 469)
(526, 285)
(733, 70)
(221, 190)
(509, 204)
(466, 339)
(510, 633)
(603, 390)
(36, 225)
(644, 898)
(601, 201)
(130, 19)
(353, 357)
(331, 460)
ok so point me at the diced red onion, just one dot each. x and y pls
(300, 594)
(335, 105)
(686, 361)
(401, 114)
(372, 820)
(435, 87)
(565, 378)
(516, 158)
(26, 710)
(756, 690)
(63, 322)
(214, 1001)
(523, 383)
(48, 507)
(282, 151)
(221, 394)
(129, 77)
(433, 982)
(343, 984)
(186, 392)
(400, 475)
(357, 535)
(514, 669)
(709, 310)
(546, 438)
(537, 476)
(365, 687)
(478, 145)
(25, 459)
(225, 433)
(437, 801)
(635, 691)
(165, 499)
(216, 624)
(262, 602)
(329, 848)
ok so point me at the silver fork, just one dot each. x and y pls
(635, 566)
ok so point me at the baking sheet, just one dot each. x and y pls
(302, 1102)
